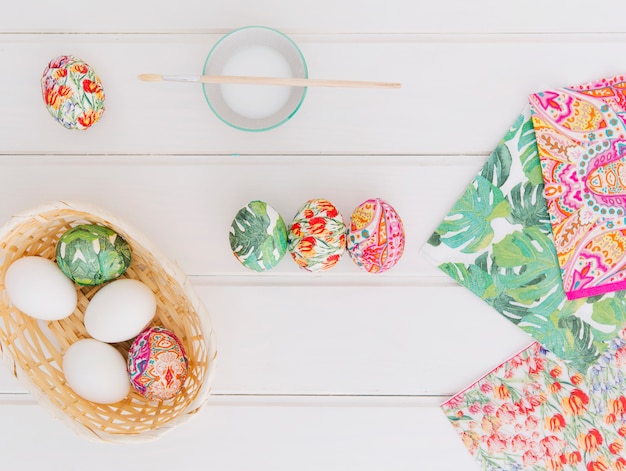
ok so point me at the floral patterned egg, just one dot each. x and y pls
(157, 364)
(91, 255)
(376, 236)
(317, 236)
(258, 236)
(72, 92)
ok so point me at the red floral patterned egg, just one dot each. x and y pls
(317, 236)
(157, 364)
(72, 92)
(376, 236)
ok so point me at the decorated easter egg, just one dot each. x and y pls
(317, 235)
(376, 236)
(258, 236)
(91, 255)
(72, 92)
(157, 364)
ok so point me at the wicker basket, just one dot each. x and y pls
(34, 349)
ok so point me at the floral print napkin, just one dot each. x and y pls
(535, 413)
(581, 137)
(497, 242)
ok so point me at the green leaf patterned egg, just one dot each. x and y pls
(258, 236)
(91, 255)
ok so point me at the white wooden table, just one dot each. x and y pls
(335, 371)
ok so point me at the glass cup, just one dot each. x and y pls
(255, 51)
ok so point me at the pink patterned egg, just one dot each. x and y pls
(157, 364)
(375, 236)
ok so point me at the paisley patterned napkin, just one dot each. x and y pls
(581, 136)
(535, 413)
(497, 242)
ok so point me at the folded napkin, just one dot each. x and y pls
(497, 242)
(535, 413)
(581, 138)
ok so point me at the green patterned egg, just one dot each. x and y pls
(91, 255)
(258, 236)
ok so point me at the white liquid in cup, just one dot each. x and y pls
(256, 101)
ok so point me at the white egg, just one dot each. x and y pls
(96, 371)
(38, 288)
(120, 311)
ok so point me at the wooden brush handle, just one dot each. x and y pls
(291, 82)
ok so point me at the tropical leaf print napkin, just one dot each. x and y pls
(581, 138)
(535, 413)
(497, 242)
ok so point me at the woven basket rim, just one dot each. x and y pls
(173, 270)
